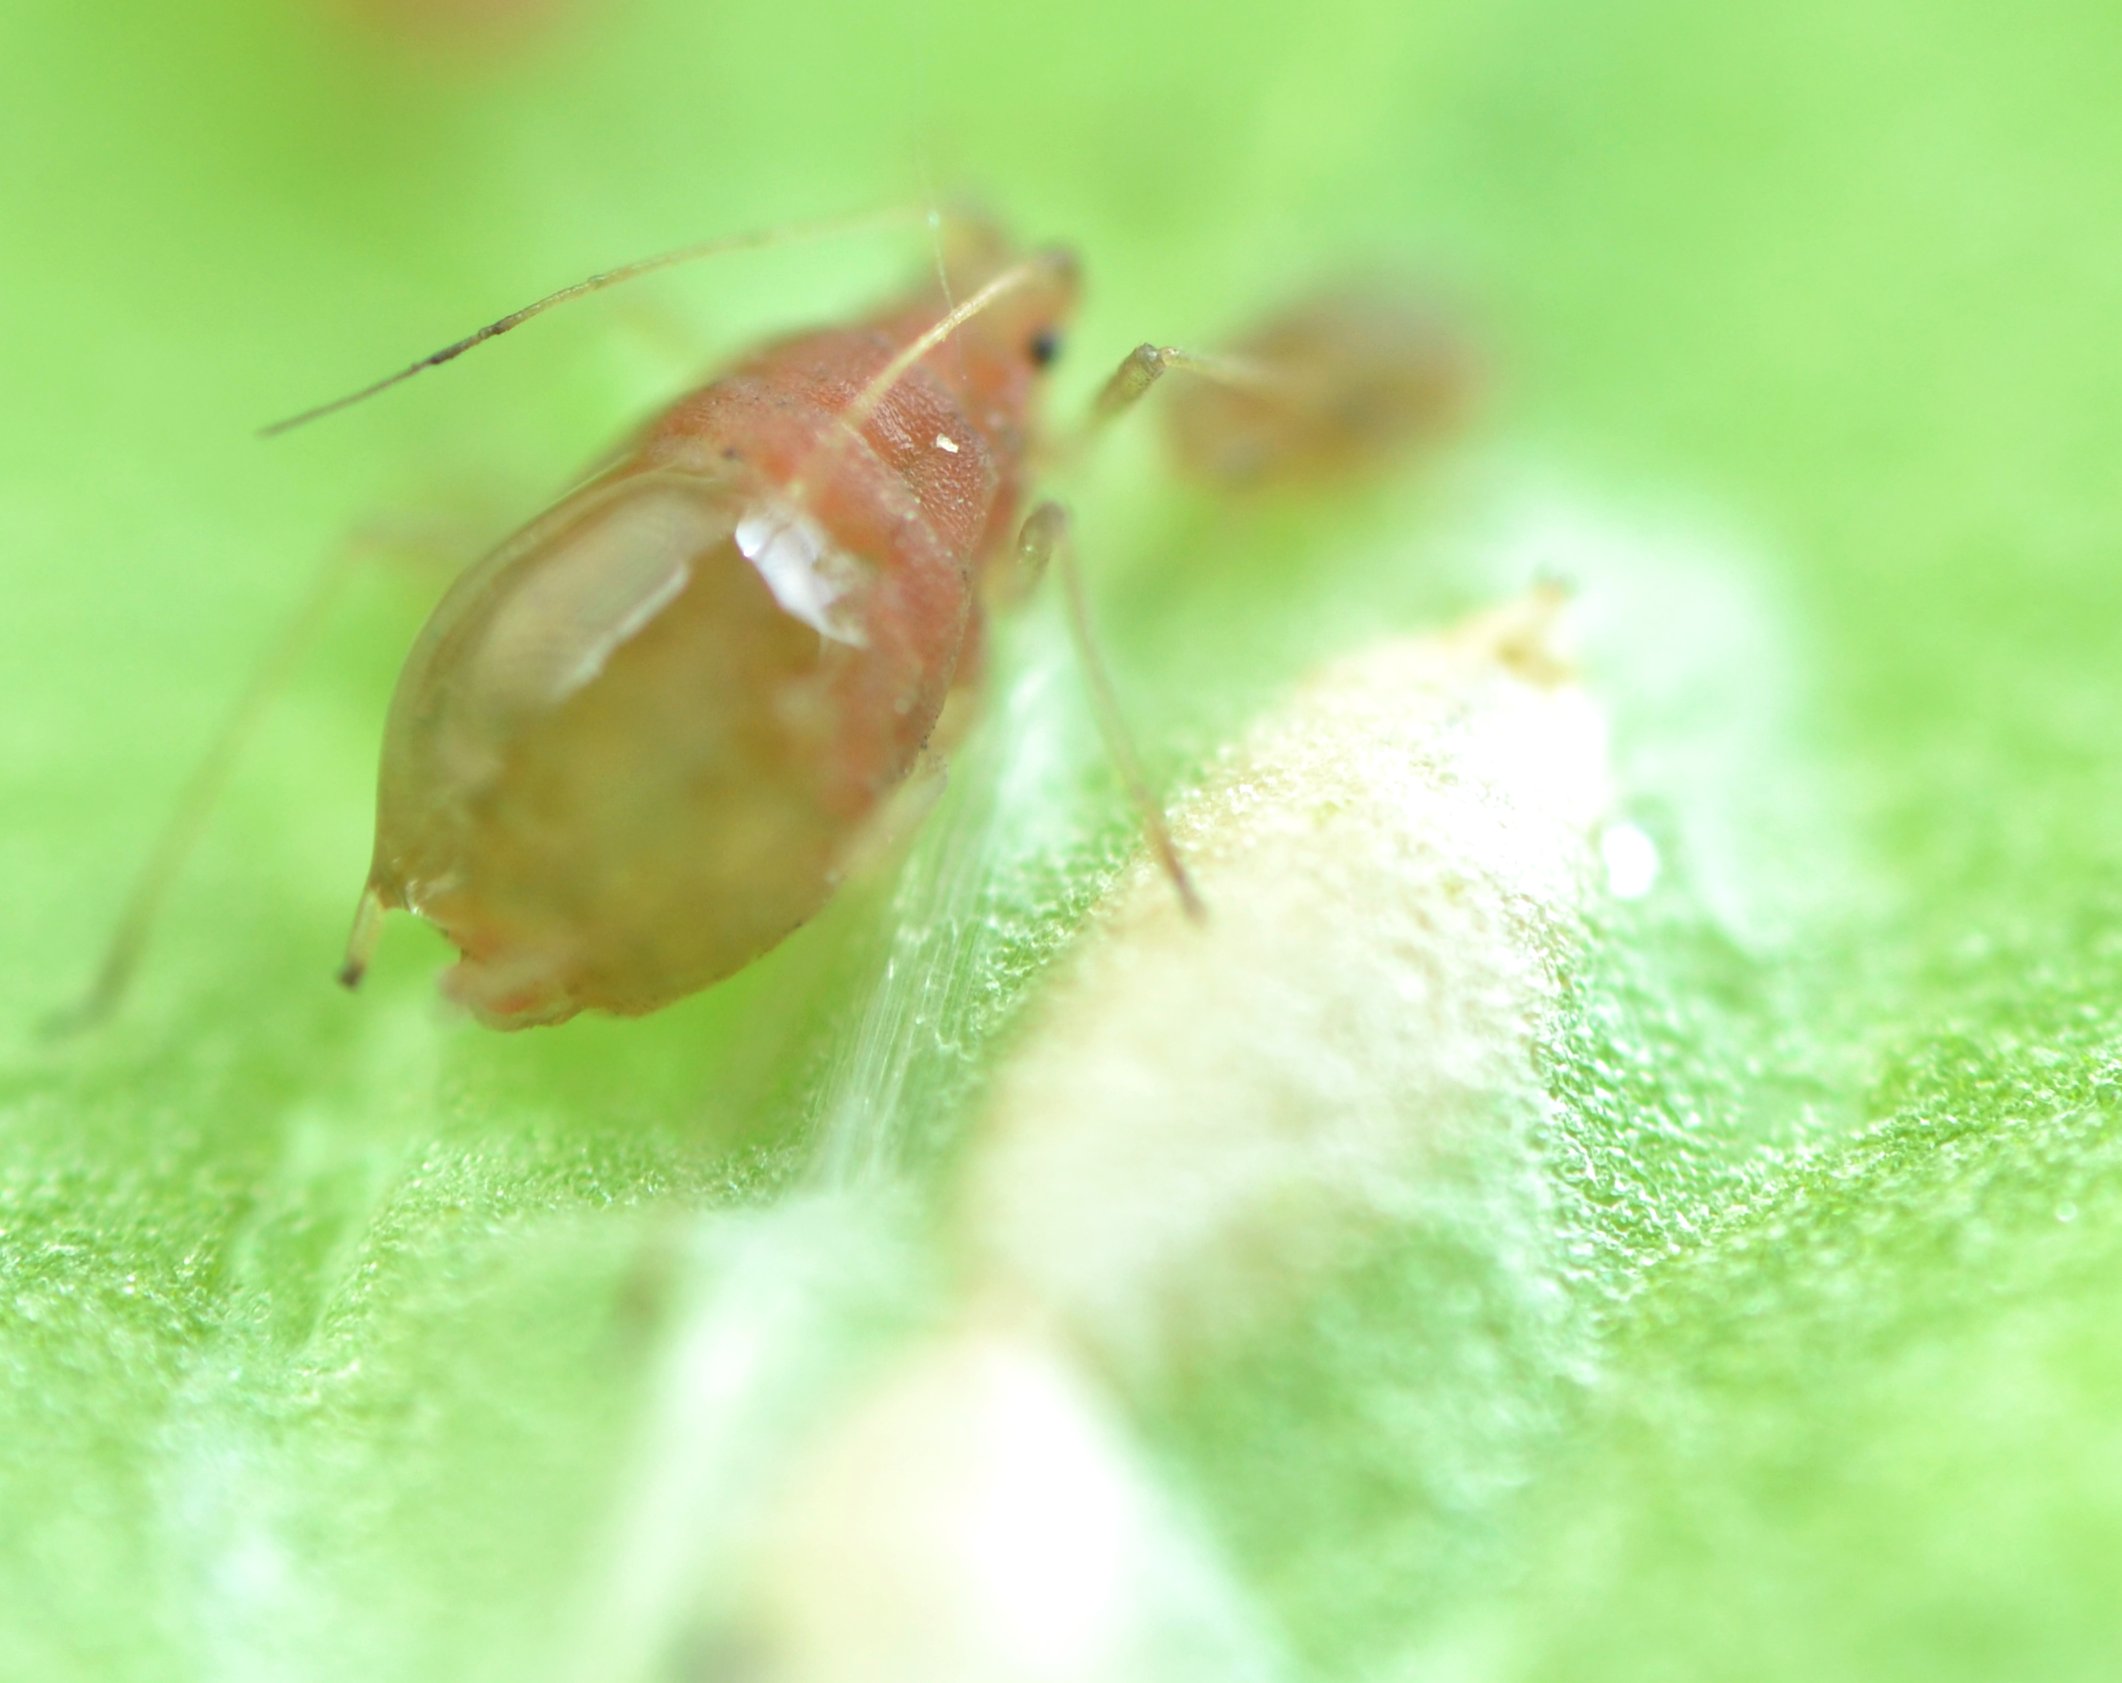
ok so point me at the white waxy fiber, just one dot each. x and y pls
(1199, 1118)
(1203, 1113)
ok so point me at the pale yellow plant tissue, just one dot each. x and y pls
(1198, 1119)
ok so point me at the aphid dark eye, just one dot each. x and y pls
(1045, 346)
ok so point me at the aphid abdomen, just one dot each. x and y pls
(632, 750)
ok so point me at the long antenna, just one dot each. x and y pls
(786, 234)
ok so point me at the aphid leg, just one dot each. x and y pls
(209, 779)
(1046, 538)
(361, 939)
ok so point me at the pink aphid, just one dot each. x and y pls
(634, 748)
(647, 737)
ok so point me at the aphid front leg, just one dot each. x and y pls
(1046, 538)
(1146, 364)
(1333, 385)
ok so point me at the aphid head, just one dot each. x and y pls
(1022, 331)
(1046, 307)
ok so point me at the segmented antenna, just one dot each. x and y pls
(756, 239)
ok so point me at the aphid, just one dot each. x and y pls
(634, 747)
(1337, 383)
(639, 744)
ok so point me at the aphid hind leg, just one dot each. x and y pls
(1046, 538)
(210, 778)
(361, 939)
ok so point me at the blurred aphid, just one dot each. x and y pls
(1342, 381)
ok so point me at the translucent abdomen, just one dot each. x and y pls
(633, 747)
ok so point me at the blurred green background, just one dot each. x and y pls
(329, 1328)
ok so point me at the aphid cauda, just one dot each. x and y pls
(637, 745)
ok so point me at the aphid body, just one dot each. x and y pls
(646, 737)
(1335, 384)
(634, 748)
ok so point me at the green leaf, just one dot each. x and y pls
(337, 1338)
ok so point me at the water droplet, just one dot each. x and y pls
(1631, 860)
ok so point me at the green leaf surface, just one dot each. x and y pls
(340, 1339)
